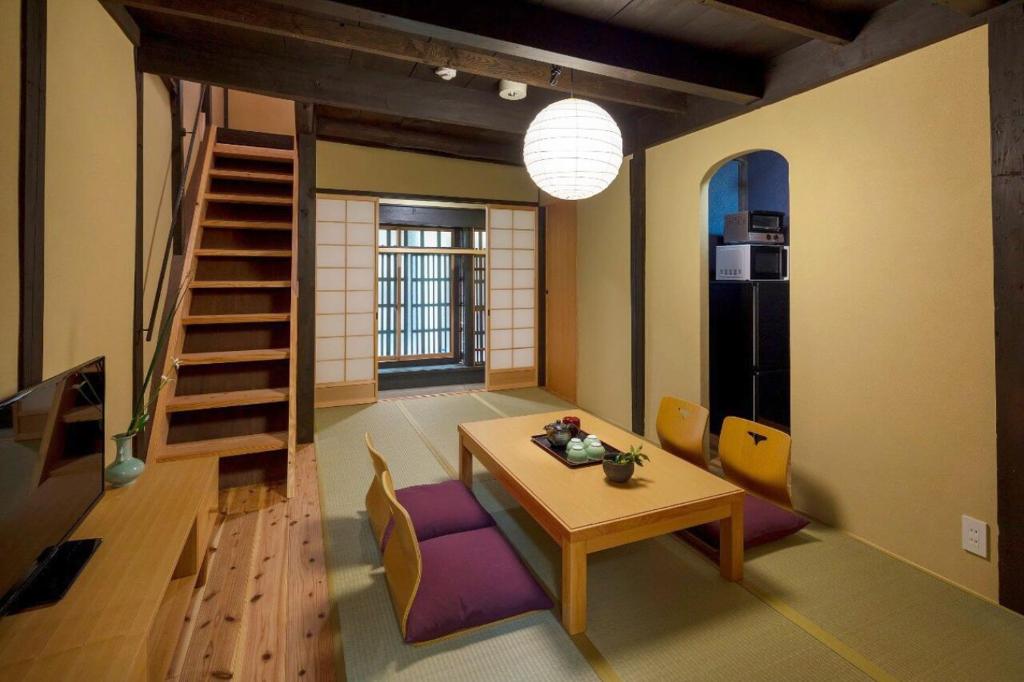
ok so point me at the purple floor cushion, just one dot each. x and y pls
(470, 579)
(763, 522)
(439, 509)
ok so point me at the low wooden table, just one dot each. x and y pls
(584, 513)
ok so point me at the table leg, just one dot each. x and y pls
(465, 464)
(574, 587)
(730, 561)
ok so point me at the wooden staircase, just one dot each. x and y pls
(233, 335)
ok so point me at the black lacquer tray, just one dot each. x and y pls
(559, 453)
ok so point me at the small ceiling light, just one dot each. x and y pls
(512, 90)
(573, 149)
(445, 73)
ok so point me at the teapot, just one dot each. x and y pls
(558, 433)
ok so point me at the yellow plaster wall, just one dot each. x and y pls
(893, 377)
(369, 169)
(90, 198)
(10, 103)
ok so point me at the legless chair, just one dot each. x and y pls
(435, 508)
(453, 583)
(756, 458)
(681, 429)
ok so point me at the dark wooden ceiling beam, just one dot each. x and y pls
(288, 74)
(395, 137)
(550, 36)
(796, 17)
(273, 19)
(894, 30)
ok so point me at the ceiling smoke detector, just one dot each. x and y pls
(511, 90)
(445, 73)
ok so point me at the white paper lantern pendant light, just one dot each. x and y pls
(573, 149)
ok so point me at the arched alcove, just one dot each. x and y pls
(746, 334)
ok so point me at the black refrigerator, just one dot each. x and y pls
(749, 352)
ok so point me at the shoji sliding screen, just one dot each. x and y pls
(511, 297)
(346, 300)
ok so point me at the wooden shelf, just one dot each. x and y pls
(245, 253)
(237, 318)
(249, 199)
(241, 284)
(239, 151)
(254, 176)
(211, 401)
(225, 447)
(228, 356)
(121, 635)
(248, 224)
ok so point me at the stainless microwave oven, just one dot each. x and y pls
(751, 262)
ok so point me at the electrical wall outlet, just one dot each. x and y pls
(974, 536)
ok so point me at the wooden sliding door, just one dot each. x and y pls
(346, 300)
(511, 297)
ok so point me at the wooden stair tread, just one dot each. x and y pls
(236, 318)
(240, 284)
(248, 199)
(225, 224)
(225, 447)
(254, 176)
(83, 413)
(227, 356)
(241, 151)
(247, 253)
(209, 401)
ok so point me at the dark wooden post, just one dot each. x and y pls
(1006, 100)
(305, 147)
(638, 285)
(31, 184)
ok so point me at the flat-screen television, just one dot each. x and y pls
(51, 475)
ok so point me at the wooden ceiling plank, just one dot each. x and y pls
(417, 141)
(796, 17)
(282, 75)
(274, 19)
(550, 36)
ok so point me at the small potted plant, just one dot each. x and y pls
(618, 467)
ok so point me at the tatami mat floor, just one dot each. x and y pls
(820, 605)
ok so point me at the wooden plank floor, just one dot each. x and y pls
(264, 611)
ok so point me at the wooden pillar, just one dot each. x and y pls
(177, 168)
(638, 286)
(305, 147)
(138, 299)
(31, 184)
(1006, 98)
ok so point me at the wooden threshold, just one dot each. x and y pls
(240, 284)
(240, 151)
(227, 356)
(244, 253)
(236, 318)
(210, 401)
(255, 176)
(225, 447)
(248, 199)
(227, 224)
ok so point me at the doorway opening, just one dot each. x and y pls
(431, 297)
(748, 291)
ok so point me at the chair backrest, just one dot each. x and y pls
(756, 458)
(376, 503)
(403, 565)
(681, 429)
